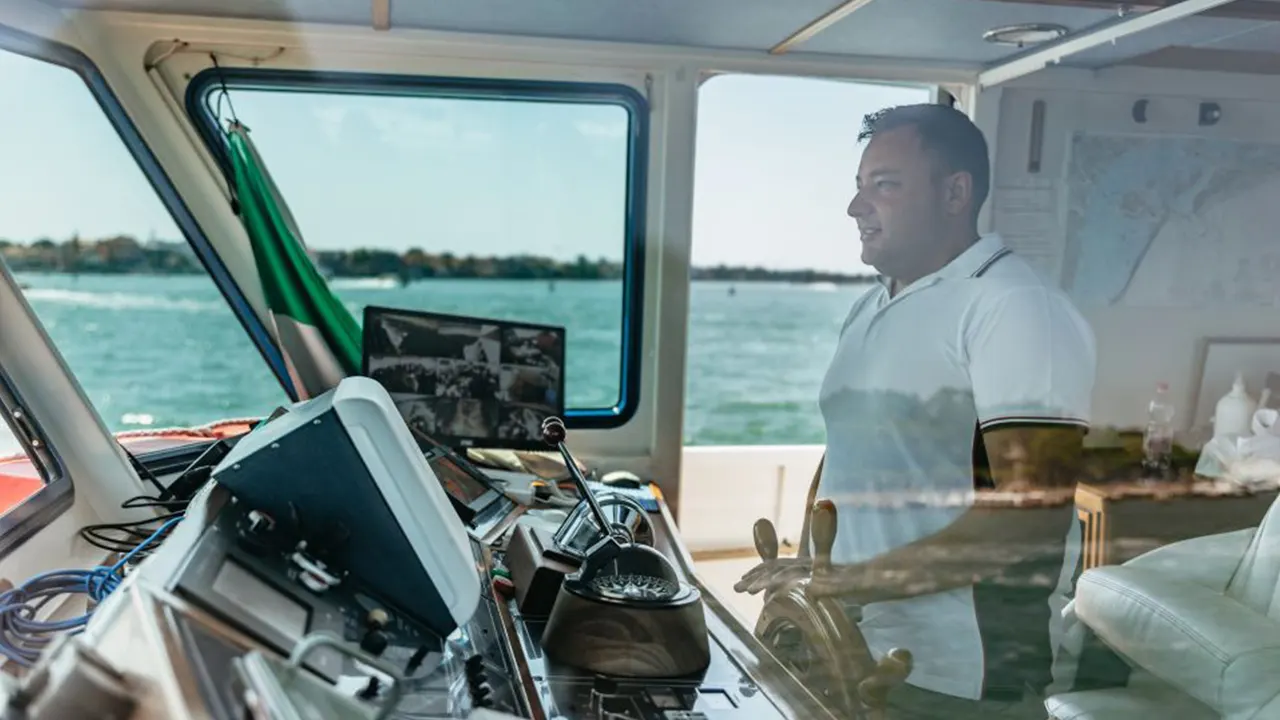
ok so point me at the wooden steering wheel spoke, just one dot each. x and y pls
(818, 639)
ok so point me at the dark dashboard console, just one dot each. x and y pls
(334, 546)
(250, 575)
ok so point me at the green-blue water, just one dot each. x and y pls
(162, 351)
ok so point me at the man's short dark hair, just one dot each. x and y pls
(955, 142)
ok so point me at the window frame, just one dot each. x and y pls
(58, 493)
(54, 53)
(200, 107)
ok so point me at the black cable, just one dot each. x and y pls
(135, 532)
(143, 501)
(138, 466)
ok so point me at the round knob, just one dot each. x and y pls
(824, 533)
(374, 642)
(553, 432)
(377, 618)
(766, 539)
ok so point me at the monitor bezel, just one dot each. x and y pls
(536, 444)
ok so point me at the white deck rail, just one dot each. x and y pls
(725, 489)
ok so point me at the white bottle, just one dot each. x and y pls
(1234, 413)
(1157, 440)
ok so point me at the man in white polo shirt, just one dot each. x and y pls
(961, 370)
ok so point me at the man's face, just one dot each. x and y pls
(902, 203)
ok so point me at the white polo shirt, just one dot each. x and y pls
(981, 342)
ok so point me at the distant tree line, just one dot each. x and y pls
(121, 254)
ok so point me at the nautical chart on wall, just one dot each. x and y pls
(1172, 221)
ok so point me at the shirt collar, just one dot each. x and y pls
(972, 262)
(975, 259)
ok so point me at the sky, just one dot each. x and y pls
(776, 160)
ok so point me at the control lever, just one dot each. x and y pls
(553, 434)
(626, 611)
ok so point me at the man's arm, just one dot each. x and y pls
(979, 545)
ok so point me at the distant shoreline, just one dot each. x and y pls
(124, 255)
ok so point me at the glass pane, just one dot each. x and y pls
(500, 209)
(775, 263)
(113, 281)
(929, 389)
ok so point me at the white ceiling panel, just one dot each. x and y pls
(941, 29)
(1188, 32)
(726, 24)
(323, 11)
(736, 24)
(938, 30)
(1262, 37)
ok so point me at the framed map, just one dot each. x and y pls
(1172, 222)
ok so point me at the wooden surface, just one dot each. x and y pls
(1091, 505)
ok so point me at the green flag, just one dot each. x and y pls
(317, 336)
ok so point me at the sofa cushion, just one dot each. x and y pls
(1256, 582)
(1141, 702)
(1211, 560)
(1205, 644)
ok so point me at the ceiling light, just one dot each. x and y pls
(1023, 35)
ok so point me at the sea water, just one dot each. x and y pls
(165, 351)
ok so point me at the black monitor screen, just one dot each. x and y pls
(468, 382)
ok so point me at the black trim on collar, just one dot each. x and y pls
(1002, 252)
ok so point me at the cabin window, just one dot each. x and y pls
(514, 201)
(774, 253)
(105, 266)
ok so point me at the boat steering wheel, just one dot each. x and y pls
(817, 639)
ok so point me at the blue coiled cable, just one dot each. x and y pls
(22, 637)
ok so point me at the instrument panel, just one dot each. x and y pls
(328, 572)
(242, 574)
(255, 580)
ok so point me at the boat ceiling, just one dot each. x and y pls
(940, 31)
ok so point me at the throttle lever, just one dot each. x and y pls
(553, 434)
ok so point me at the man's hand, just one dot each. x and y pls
(772, 574)
(836, 583)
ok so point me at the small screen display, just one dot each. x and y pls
(456, 481)
(471, 382)
(259, 600)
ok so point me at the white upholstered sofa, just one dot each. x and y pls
(1199, 622)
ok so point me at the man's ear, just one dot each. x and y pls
(958, 193)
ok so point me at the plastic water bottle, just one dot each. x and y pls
(1157, 441)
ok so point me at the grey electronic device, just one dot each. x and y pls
(344, 465)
